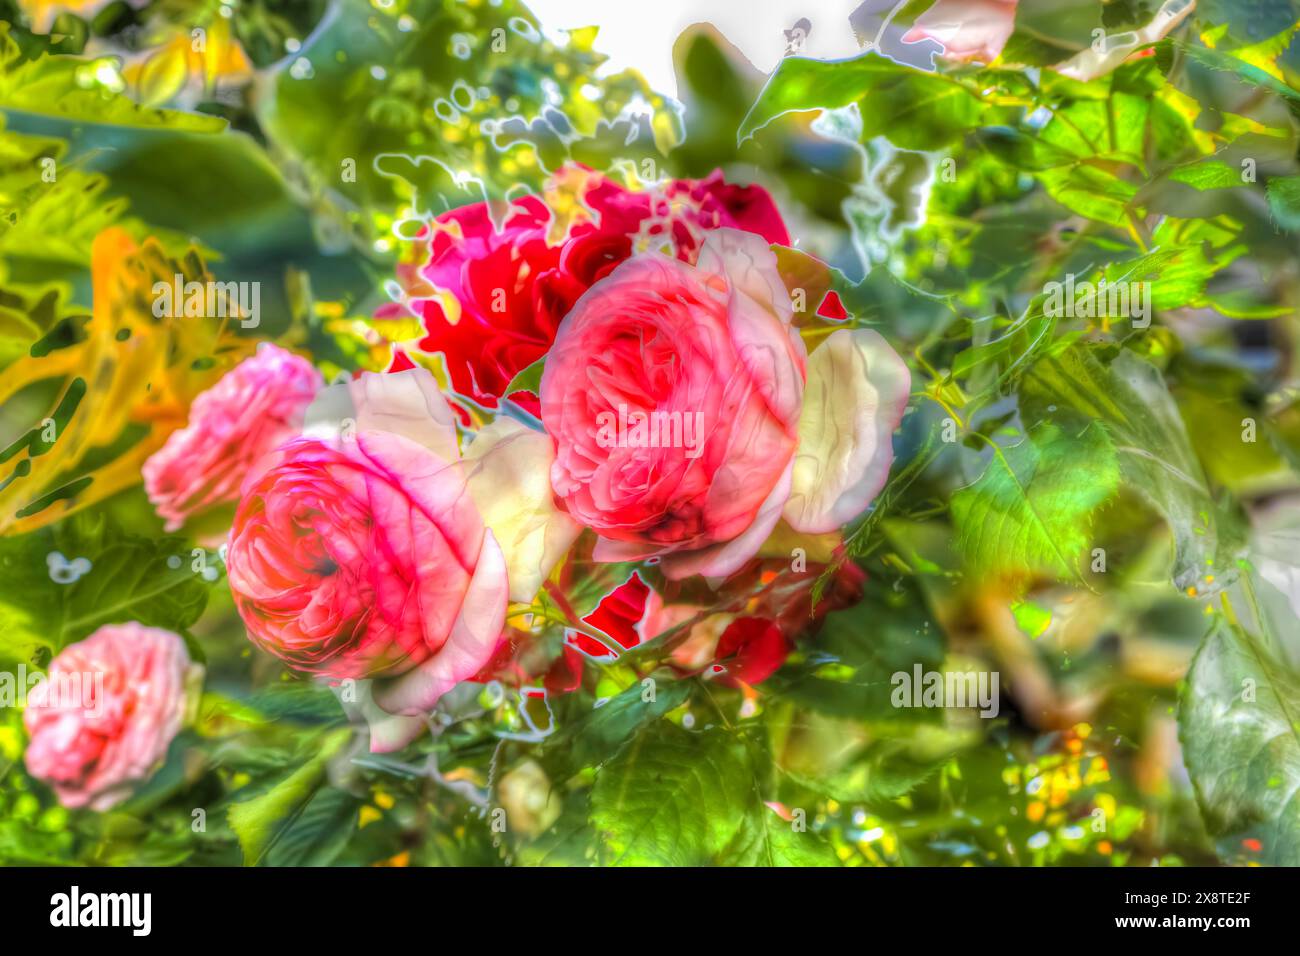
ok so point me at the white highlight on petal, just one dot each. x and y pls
(406, 403)
(508, 468)
(856, 395)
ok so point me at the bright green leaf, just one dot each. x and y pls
(1032, 508)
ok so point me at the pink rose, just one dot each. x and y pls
(256, 405)
(967, 29)
(109, 706)
(368, 549)
(688, 418)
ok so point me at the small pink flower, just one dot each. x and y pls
(967, 29)
(368, 549)
(688, 418)
(102, 719)
(256, 405)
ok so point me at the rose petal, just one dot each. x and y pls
(856, 394)
(508, 472)
(967, 29)
(721, 560)
(470, 646)
(388, 732)
(406, 403)
(750, 266)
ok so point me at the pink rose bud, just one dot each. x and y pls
(102, 719)
(256, 405)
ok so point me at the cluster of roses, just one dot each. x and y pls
(385, 525)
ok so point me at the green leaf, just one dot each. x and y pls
(1034, 49)
(130, 578)
(527, 380)
(1245, 72)
(1032, 508)
(81, 89)
(1284, 201)
(887, 770)
(848, 667)
(262, 820)
(302, 701)
(764, 839)
(1239, 723)
(596, 736)
(318, 834)
(1091, 192)
(47, 222)
(1209, 174)
(800, 84)
(1185, 255)
(807, 279)
(912, 108)
(1156, 459)
(672, 797)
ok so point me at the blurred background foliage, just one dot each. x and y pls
(299, 144)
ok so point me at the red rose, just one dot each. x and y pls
(491, 301)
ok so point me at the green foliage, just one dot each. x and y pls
(1284, 201)
(294, 817)
(764, 839)
(673, 797)
(847, 669)
(1033, 508)
(446, 105)
(81, 89)
(915, 109)
(50, 212)
(1240, 733)
(46, 606)
(593, 738)
(527, 380)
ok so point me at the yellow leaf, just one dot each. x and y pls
(162, 75)
(42, 13)
(122, 389)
